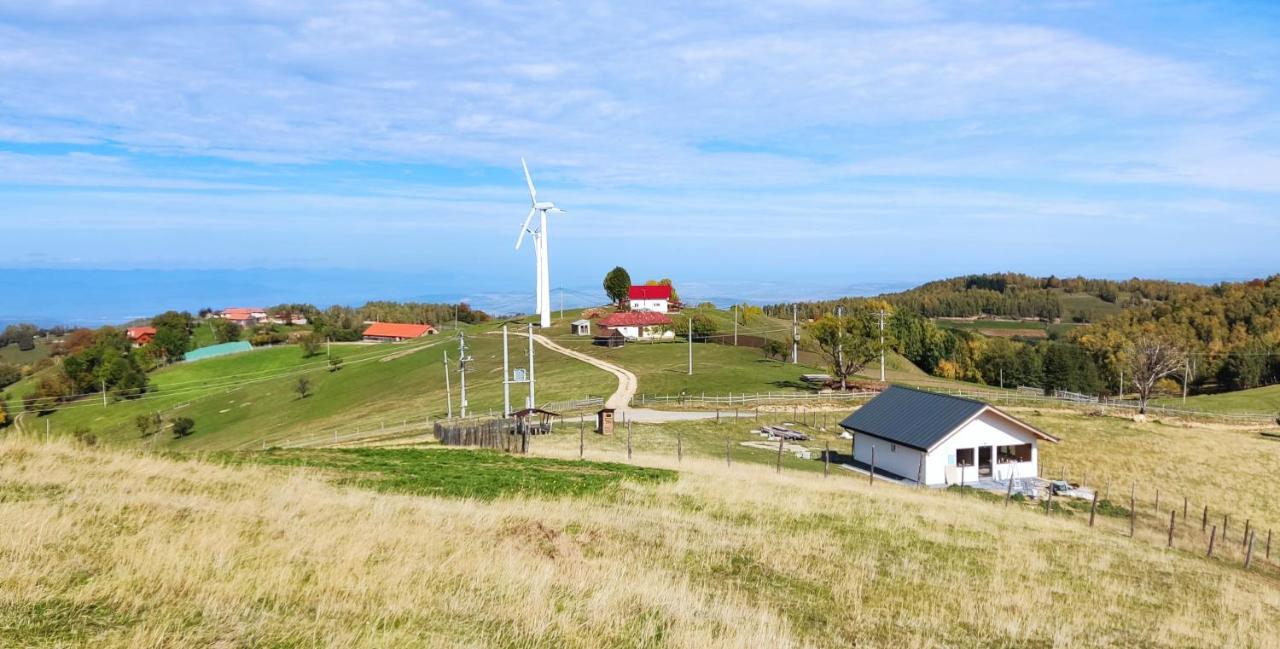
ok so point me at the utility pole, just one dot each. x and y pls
(690, 337)
(840, 345)
(1186, 374)
(462, 373)
(795, 337)
(328, 344)
(882, 345)
(448, 393)
(506, 377)
(104, 393)
(1122, 384)
(562, 303)
(1001, 378)
(735, 325)
(533, 402)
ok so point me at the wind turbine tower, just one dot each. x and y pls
(543, 290)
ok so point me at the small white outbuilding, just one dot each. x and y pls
(938, 439)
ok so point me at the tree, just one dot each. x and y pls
(703, 327)
(303, 387)
(774, 348)
(183, 426)
(4, 414)
(9, 374)
(845, 343)
(617, 284)
(226, 331)
(148, 424)
(310, 344)
(173, 334)
(1152, 358)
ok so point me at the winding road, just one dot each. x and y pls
(620, 400)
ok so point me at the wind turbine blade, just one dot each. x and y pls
(524, 228)
(533, 194)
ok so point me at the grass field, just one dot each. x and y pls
(113, 548)
(250, 396)
(1257, 400)
(459, 473)
(12, 355)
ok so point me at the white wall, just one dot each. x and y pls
(988, 429)
(901, 460)
(659, 306)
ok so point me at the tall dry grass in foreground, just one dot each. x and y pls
(106, 548)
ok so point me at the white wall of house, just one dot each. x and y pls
(990, 430)
(654, 332)
(894, 458)
(659, 306)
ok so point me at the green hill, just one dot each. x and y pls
(248, 397)
(1255, 400)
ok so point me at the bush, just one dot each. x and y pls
(309, 343)
(335, 363)
(84, 437)
(303, 387)
(183, 426)
(9, 374)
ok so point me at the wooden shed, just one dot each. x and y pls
(604, 421)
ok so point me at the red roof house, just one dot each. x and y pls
(140, 336)
(637, 325)
(652, 297)
(396, 331)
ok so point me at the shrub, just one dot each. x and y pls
(183, 426)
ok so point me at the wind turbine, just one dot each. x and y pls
(543, 291)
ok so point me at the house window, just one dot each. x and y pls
(893, 448)
(964, 457)
(1014, 453)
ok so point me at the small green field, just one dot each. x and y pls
(1257, 400)
(459, 473)
(14, 356)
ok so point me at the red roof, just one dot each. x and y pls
(634, 319)
(241, 309)
(139, 332)
(397, 330)
(658, 292)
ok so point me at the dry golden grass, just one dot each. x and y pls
(1232, 469)
(107, 548)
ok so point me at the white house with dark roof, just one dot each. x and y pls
(937, 439)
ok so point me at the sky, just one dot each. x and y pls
(780, 148)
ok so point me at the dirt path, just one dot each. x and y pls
(620, 400)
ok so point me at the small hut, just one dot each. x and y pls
(534, 420)
(606, 337)
(581, 327)
(604, 421)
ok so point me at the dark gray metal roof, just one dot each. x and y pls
(912, 418)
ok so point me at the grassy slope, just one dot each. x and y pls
(1229, 469)
(1257, 400)
(231, 407)
(14, 356)
(112, 549)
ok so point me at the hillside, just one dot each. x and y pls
(250, 397)
(1256, 400)
(111, 548)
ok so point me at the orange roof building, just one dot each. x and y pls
(396, 331)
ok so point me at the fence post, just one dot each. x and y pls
(1048, 502)
(1204, 520)
(1093, 509)
(1213, 535)
(1246, 529)
(1224, 528)
(779, 454)
(1156, 509)
(1008, 492)
(1173, 514)
(628, 441)
(871, 476)
(1184, 510)
(727, 461)
(679, 446)
(1248, 549)
(582, 439)
(1133, 507)
(826, 470)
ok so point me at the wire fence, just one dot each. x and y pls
(1009, 398)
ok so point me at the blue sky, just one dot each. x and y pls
(793, 144)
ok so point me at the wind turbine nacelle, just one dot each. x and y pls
(544, 206)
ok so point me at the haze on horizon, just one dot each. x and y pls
(822, 143)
